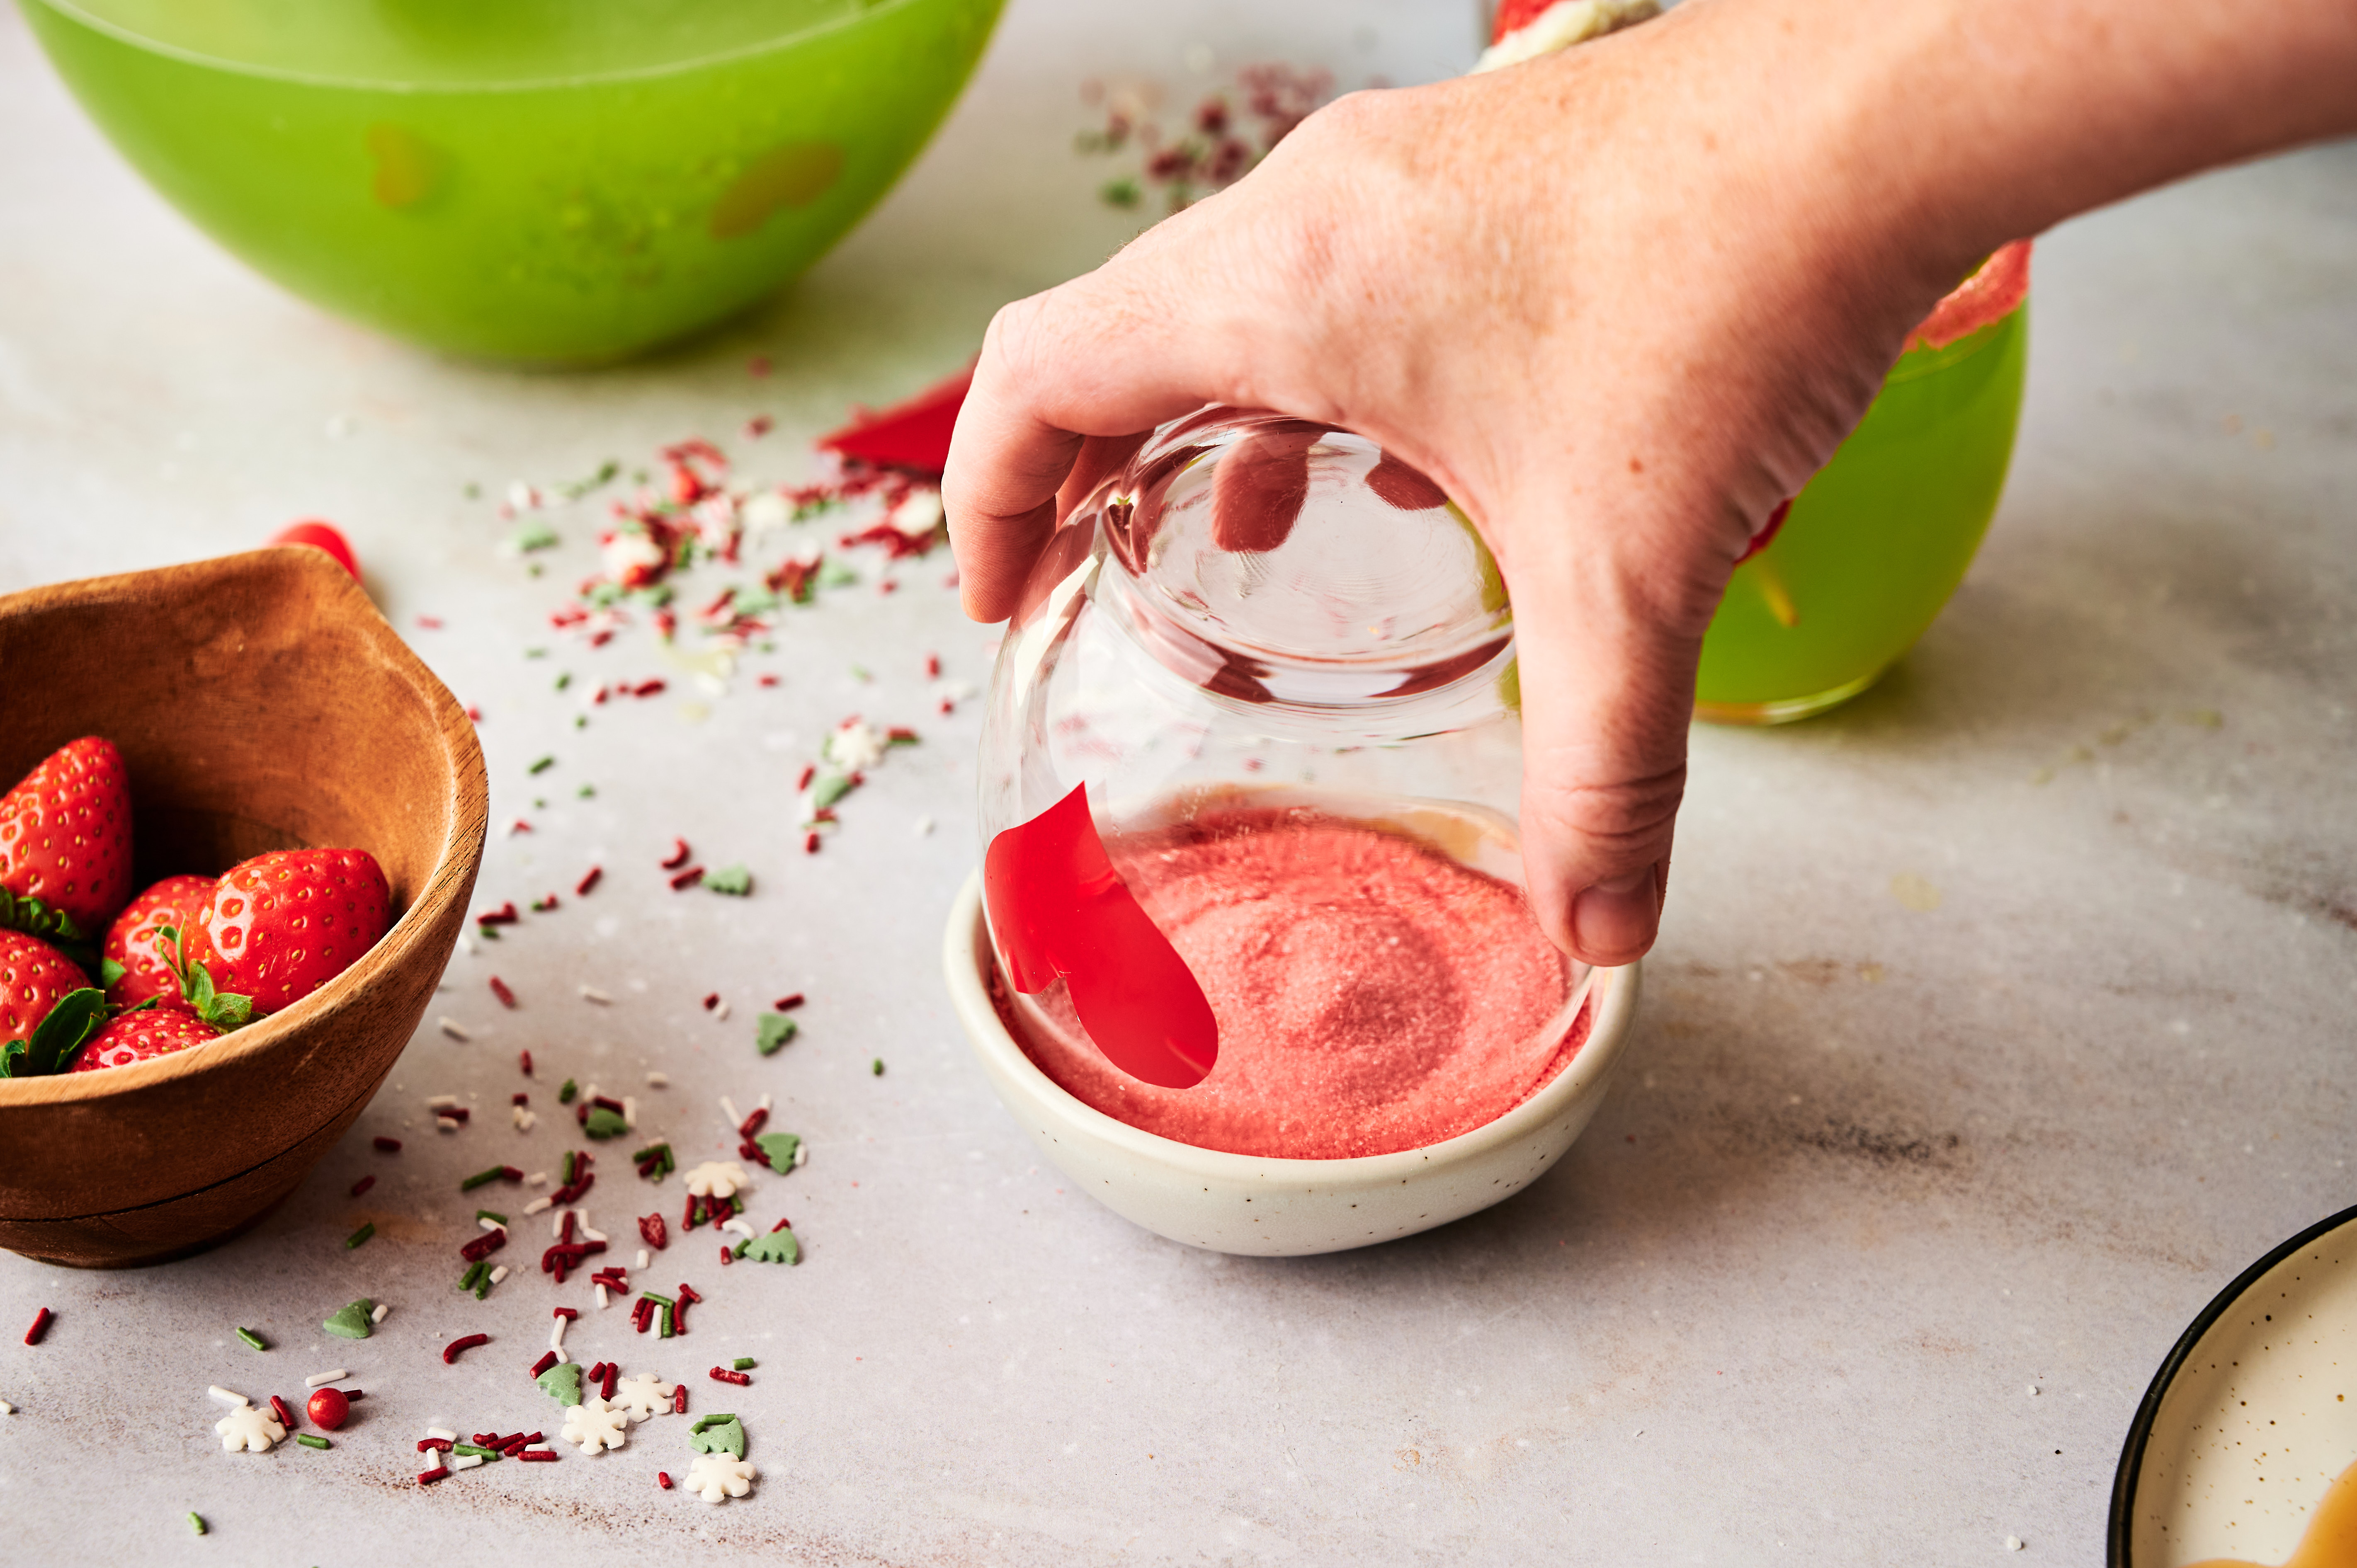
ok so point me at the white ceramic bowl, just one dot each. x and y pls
(1270, 1208)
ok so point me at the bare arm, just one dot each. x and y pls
(1619, 303)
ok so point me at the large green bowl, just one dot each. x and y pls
(542, 181)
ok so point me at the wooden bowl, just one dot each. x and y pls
(260, 703)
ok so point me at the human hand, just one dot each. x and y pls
(1618, 302)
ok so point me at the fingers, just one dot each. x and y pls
(1608, 626)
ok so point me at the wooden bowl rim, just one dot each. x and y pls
(464, 773)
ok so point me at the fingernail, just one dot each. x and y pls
(1615, 920)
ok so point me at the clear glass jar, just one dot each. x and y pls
(1264, 651)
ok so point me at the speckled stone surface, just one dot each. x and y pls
(1999, 1019)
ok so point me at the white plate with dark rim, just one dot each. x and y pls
(2251, 1419)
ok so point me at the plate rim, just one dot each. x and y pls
(2132, 1452)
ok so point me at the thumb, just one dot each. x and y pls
(1608, 623)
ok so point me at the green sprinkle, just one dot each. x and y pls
(197, 1524)
(879, 1068)
(666, 1331)
(657, 1296)
(308, 1441)
(531, 535)
(568, 1153)
(361, 1235)
(483, 1286)
(474, 1274)
(489, 933)
(742, 1364)
(565, 1097)
(562, 1382)
(252, 1341)
(495, 1218)
(772, 1032)
(604, 1123)
(351, 1321)
(581, 721)
(479, 1177)
(542, 766)
(859, 672)
(733, 880)
(535, 653)
(587, 791)
(473, 492)
(650, 1152)
(564, 680)
(480, 1453)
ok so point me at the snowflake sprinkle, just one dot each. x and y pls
(248, 1429)
(717, 1179)
(716, 1478)
(595, 1424)
(644, 1395)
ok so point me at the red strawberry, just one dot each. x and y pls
(65, 833)
(142, 1037)
(33, 976)
(131, 941)
(281, 925)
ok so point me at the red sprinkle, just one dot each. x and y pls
(570, 1313)
(541, 1455)
(473, 714)
(455, 1112)
(769, 680)
(465, 1342)
(810, 844)
(679, 853)
(505, 915)
(387, 1145)
(711, 1001)
(434, 1446)
(932, 666)
(278, 1407)
(500, 989)
(483, 1246)
(679, 1398)
(663, 1479)
(519, 826)
(524, 1061)
(508, 1173)
(520, 1098)
(362, 1185)
(425, 1477)
(547, 1359)
(650, 688)
(688, 878)
(431, 623)
(723, 1375)
(41, 1327)
(788, 1003)
(605, 1391)
(596, 1374)
(581, 888)
(810, 772)
(760, 425)
(755, 1123)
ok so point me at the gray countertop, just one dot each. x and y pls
(1869, 1258)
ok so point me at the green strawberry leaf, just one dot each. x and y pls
(78, 1015)
(109, 971)
(22, 912)
(224, 1010)
(11, 1056)
(717, 1435)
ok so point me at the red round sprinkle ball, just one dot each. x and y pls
(329, 1407)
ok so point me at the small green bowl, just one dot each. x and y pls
(551, 181)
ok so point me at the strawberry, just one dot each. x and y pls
(48, 1007)
(142, 1036)
(148, 967)
(65, 841)
(281, 925)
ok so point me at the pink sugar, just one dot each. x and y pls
(1372, 995)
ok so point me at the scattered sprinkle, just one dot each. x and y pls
(308, 1441)
(366, 1230)
(321, 1380)
(387, 1145)
(456, 1031)
(591, 993)
(41, 1320)
(500, 989)
(252, 1341)
(197, 1524)
(221, 1395)
(465, 1342)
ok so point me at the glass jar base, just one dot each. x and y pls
(1784, 710)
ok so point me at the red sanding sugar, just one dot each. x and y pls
(1372, 995)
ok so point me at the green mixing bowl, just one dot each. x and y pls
(557, 181)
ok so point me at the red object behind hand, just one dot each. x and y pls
(321, 536)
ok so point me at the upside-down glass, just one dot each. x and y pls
(1192, 669)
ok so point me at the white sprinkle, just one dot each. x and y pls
(658, 1081)
(601, 1298)
(467, 946)
(378, 1316)
(924, 827)
(630, 1113)
(728, 1108)
(452, 1027)
(720, 1009)
(563, 1356)
(321, 1380)
(556, 1225)
(801, 1153)
(643, 1257)
(221, 1395)
(556, 1337)
(443, 1433)
(442, 1102)
(2033, 1390)
(7, 1409)
(499, 1274)
(537, 1178)
(487, 1223)
(523, 1117)
(592, 1235)
(2013, 1543)
(538, 1206)
(591, 993)
(765, 1103)
(464, 1461)
(740, 1227)
(446, 1124)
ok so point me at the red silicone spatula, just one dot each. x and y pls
(1058, 907)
